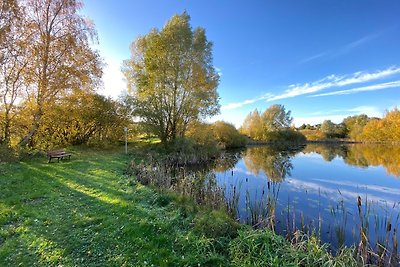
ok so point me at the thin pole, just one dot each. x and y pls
(126, 140)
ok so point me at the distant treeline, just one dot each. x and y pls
(357, 128)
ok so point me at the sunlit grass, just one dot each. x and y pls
(85, 212)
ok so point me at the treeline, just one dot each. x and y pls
(358, 128)
(49, 74)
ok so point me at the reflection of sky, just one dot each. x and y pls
(316, 186)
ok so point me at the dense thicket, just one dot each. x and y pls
(218, 134)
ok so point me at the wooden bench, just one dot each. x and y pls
(58, 154)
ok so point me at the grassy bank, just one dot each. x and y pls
(86, 212)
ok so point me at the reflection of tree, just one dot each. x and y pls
(361, 155)
(274, 161)
(328, 152)
(228, 160)
(376, 155)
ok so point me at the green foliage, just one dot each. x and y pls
(275, 118)
(332, 130)
(272, 125)
(202, 134)
(328, 128)
(355, 125)
(80, 118)
(7, 154)
(214, 224)
(171, 78)
(227, 135)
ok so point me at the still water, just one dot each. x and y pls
(316, 188)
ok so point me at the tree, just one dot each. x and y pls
(61, 59)
(275, 118)
(355, 125)
(272, 125)
(252, 125)
(328, 128)
(171, 78)
(80, 118)
(13, 61)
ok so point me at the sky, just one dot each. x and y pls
(321, 59)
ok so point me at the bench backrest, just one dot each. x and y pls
(55, 152)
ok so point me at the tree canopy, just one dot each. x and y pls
(271, 125)
(48, 76)
(171, 78)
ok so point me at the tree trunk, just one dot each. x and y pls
(35, 125)
(7, 128)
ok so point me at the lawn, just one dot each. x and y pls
(86, 212)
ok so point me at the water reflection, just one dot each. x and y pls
(317, 187)
(274, 161)
(363, 155)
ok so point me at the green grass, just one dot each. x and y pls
(86, 212)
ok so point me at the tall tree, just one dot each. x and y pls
(14, 37)
(275, 118)
(252, 125)
(61, 58)
(171, 78)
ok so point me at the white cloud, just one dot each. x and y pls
(341, 50)
(338, 115)
(335, 81)
(374, 87)
(245, 102)
(347, 48)
(313, 57)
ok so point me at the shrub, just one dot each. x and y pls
(215, 224)
(7, 154)
(227, 135)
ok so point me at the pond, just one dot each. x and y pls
(338, 192)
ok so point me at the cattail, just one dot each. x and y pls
(389, 227)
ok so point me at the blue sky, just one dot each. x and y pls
(321, 59)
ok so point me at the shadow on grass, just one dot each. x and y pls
(79, 213)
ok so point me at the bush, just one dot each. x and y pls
(227, 135)
(8, 154)
(215, 224)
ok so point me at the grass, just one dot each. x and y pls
(86, 212)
